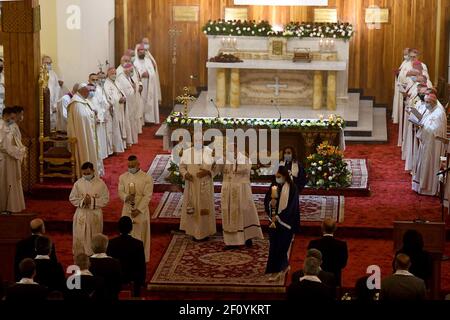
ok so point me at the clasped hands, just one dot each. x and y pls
(87, 201)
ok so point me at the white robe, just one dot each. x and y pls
(150, 89)
(87, 222)
(144, 190)
(98, 102)
(425, 180)
(119, 134)
(12, 153)
(55, 94)
(61, 113)
(198, 218)
(81, 124)
(240, 219)
(129, 90)
(397, 103)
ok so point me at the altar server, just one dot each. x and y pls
(89, 195)
(135, 190)
(294, 167)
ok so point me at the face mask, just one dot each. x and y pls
(91, 94)
(49, 67)
(133, 59)
(146, 46)
(280, 180)
(288, 157)
(414, 78)
(428, 106)
(133, 170)
(88, 177)
(102, 82)
(113, 78)
(406, 57)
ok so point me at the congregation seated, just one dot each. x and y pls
(91, 288)
(26, 290)
(310, 287)
(421, 260)
(402, 285)
(334, 251)
(105, 267)
(327, 278)
(49, 273)
(130, 252)
(26, 248)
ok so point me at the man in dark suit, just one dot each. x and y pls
(402, 285)
(310, 287)
(26, 290)
(130, 252)
(48, 272)
(26, 248)
(105, 267)
(334, 252)
(327, 278)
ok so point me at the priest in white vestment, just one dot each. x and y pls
(135, 190)
(144, 66)
(81, 125)
(12, 153)
(89, 195)
(61, 112)
(398, 97)
(198, 217)
(107, 108)
(148, 54)
(139, 98)
(129, 89)
(55, 86)
(98, 102)
(117, 104)
(433, 124)
(240, 221)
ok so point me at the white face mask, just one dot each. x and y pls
(146, 46)
(280, 180)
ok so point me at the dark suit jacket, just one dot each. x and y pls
(421, 264)
(110, 271)
(50, 274)
(334, 255)
(26, 248)
(310, 291)
(92, 289)
(26, 293)
(402, 288)
(130, 252)
(327, 278)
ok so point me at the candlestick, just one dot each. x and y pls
(274, 192)
(132, 188)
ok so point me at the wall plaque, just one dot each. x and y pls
(325, 15)
(377, 15)
(236, 14)
(185, 13)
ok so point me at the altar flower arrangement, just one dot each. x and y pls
(339, 30)
(327, 169)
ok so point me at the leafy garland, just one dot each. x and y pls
(339, 30)
(327, 169)
(178, 120)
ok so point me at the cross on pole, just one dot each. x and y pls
(277, 86)
(174, 34)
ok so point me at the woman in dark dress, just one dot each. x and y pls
(284, 211)
(295, 168)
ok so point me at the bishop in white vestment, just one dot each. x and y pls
(81, 125)
(89, 195)
(198, 217)
(398, 97)
(148, 54)
(135, 190)
(240, 219)
(55, 87)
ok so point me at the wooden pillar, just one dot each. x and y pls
(317, 90)
(22, 58)
(221, 94)
(235, 89)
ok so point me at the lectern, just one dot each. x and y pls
(433, 234)
(13, 228)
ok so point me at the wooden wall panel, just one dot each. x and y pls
(374, 53)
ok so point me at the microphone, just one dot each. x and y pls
(278, 109)
(6, 212)
(215, 106)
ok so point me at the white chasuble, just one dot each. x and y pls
(88, 220)
(128, 88)
(198, 218)
(143, 185)
(150, 89)
(119, 134)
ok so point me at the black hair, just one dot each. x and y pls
(43, 246)
(294, 154)
(125, 225)
(132, 158)
(18, 109)
(285, 173)
(87, 165)
(27, 267)
(92, 74)
(8, 110)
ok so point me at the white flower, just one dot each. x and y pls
(343, 33)
(224, 29)
(321, 162)
(217, 29)
(253, 32)
(209, 29)
(314, 164)
(334, 36)
(313, 173)
(176, 173)
(259, 30)
(319, 169)
(239, 31)
(330, 178)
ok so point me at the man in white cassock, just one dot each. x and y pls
(98, 103)
(151, 93)
(12, 153)
(398, 97)
(135, 190)
(117, 104)
(107, 109)
(81, 125)
(197, 167)
(148, 54)
(129, 89)
(89, 195)
(55, 86)
(61, 111)
(432, 125)
(135, 75)
(240, 219)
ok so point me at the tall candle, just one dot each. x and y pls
(132, 188)
(274, 192)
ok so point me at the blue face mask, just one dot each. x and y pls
(91, 94)
(414, 79)
(280, 180)
(88, 177)
(133, 170)
(288, 157)
(49, 67)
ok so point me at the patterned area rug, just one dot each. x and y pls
(312, 208)
(189, 265)
(360, 180)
